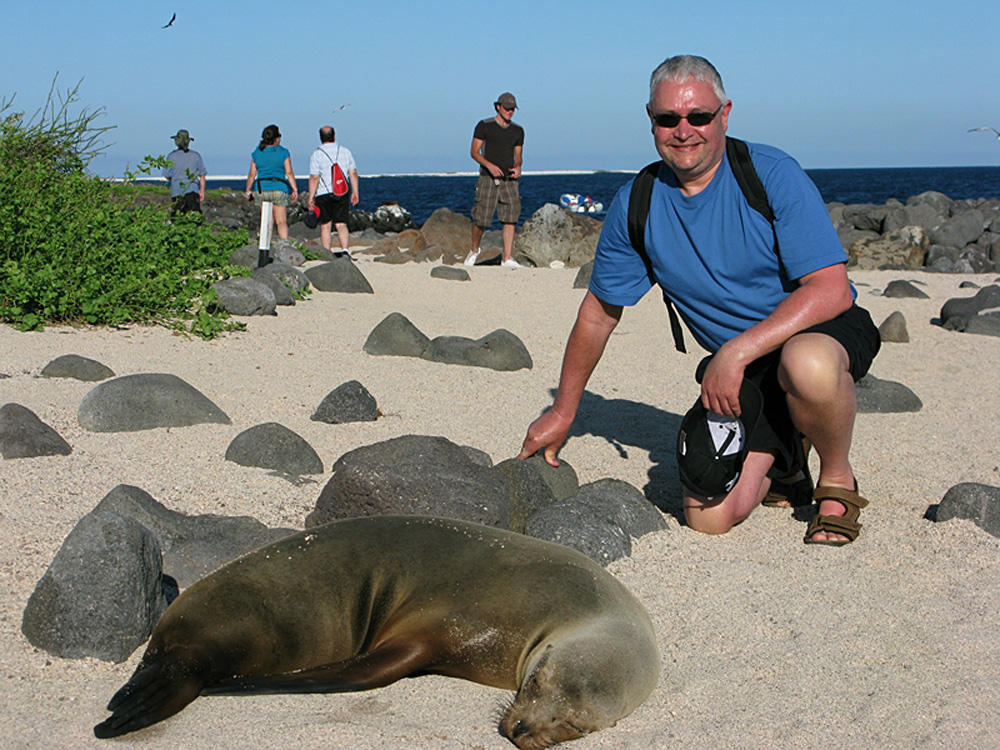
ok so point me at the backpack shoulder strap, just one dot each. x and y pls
(638, 212)
(747, 179)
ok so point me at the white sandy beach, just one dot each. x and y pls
(890, 642)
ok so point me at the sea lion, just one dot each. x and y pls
(361, 603)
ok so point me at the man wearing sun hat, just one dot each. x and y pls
(185, 175)
(496, 146)
(767, 296)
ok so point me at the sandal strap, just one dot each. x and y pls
(834, 525)
(849, 498)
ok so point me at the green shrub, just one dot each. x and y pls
(76, 248)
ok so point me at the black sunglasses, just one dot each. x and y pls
(695, 119)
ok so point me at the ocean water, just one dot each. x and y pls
(421, 195)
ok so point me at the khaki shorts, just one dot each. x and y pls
(496, 194)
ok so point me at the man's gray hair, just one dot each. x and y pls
(682, 67)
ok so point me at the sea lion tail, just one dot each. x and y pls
(151, 695)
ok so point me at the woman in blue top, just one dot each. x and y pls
(271, 169)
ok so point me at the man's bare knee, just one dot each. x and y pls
(812, 366)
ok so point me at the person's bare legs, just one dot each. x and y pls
(343, 236)
(719, 515)
(477, 235)
(280, 216)
(507, 235)
(821, 399)
(324, 235)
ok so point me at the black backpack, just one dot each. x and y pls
(642, 192)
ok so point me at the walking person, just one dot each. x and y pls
(333, 186)
(185, 175)
(271, 177)
(497, 143)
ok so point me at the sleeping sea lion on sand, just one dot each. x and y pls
(361, 603)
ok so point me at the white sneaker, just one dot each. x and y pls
(510, 263)
(472, 257)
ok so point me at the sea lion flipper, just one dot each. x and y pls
(379, 667)
(148, 697)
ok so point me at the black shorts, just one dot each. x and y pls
(775, 433)
(189, 202)
(333, 208)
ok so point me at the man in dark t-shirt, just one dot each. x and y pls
(496, 147)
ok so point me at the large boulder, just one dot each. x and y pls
(555, 234)
(274, 446)
(885, 396)
(904, 248)
(339, 275)
(396, 336)
(529, 493)
(144, 402)
(348, 402)
(920, 215)
(901, 288)
(24, 435)
(600, 520)
(979, 503)
(282, 294)
(192, 546)
(244, 296)
(893, 329)
(450, 233)
(956, 312)
(413, 475)
(960, 230)
(940, 202)
(78, 368)
(102, 594)
(389, 217)
(498, 350)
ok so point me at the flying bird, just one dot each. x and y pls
(974, 130)
(172, 19)
(342, 106)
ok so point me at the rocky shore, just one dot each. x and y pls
(929, 231)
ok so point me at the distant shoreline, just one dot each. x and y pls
(526, 173)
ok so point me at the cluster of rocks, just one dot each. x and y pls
(498, 350)
(930, 231)
(122, 563)
(552, 237)
(232, 210)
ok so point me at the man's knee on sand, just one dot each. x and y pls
(717, 515)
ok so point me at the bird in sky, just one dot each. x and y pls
(975, 130)
(342, 106)
(171, 23)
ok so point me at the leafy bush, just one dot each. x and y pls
(75, 248)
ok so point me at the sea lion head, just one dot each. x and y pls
(562, 698)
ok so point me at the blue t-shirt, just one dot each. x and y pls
(713, 254)
(270, 164)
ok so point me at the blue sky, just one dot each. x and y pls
(842, 84)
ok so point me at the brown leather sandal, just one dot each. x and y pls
(847, 524)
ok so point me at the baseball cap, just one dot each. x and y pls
(311, 218)
(711, 447)
(507, 101)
